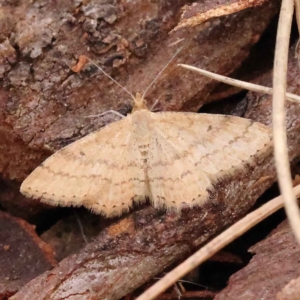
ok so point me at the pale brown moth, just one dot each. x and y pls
(171, 158)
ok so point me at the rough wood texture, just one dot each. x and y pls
(275, 264)
(23, 255)
(44, 103)
(260, 106)
(291, 291)
(66, 237)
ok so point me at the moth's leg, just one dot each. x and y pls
(154, 104)
(111, 111)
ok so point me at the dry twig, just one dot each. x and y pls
(297, 11)
(240, 84)
(279, 124)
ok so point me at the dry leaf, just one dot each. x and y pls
(82, 61)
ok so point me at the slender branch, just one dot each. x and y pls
(240, 84)
(297, 10)
(279, 114)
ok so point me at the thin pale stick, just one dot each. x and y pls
(160, 72)
(186, 281)
(81, 228)
(176, 42)
(239, 83)
(154, 104)
(111, 111)
(215, 245)
(278, 116)
(116, 82)
(297, 9)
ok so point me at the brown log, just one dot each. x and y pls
(23, 255)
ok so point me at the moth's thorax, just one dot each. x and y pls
(139, 103)
(141, 121)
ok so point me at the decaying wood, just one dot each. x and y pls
(291, 291)
(23, 255)
(260, 107)
(274, 265)
(66, 236)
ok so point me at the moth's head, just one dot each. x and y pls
(139, 103)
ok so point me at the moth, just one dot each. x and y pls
(174, 159)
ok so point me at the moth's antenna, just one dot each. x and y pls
(160, 72)
(106, 74)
